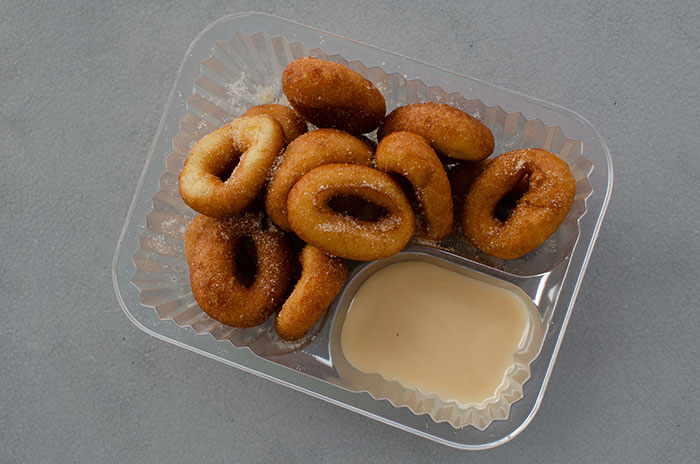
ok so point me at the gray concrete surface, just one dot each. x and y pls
(82, 87)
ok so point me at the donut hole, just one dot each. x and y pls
(224, 173)
(509, 202)
(407, 188)
(297, 245)
(357, 207)
(246, 261)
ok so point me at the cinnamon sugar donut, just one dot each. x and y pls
(343, 235)
(538, 213)
(332, 95)
(246, 149)
(450, 131)
(313, 149)
(322, 278)
(216, 279)
(292, 122)
(410, 156)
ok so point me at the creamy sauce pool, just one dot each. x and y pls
(436, 330)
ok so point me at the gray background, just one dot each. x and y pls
(82, 87)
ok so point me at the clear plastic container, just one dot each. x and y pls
(237, 62)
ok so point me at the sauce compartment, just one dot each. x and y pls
(479, 413)
(237, 62)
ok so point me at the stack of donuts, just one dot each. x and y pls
(282, 208)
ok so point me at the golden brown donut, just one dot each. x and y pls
(292, 123)
(450, 131)
(410, 156)
(313, 149)
(463, 175)
(538, 213)
(332, 95)
(246, 149)
(342, 235)
(215, 279)
(322, 278)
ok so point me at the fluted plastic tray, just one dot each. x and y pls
(237, 62)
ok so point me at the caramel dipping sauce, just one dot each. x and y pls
(436, 330)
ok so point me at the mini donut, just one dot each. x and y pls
(410, 156)
(342, 235)
(292, 123)
(463, 175)
(322, 278)
(450, 131)
(313, 149)
(332, 95)
(246, 148)
(538, 213)
(215, 279)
